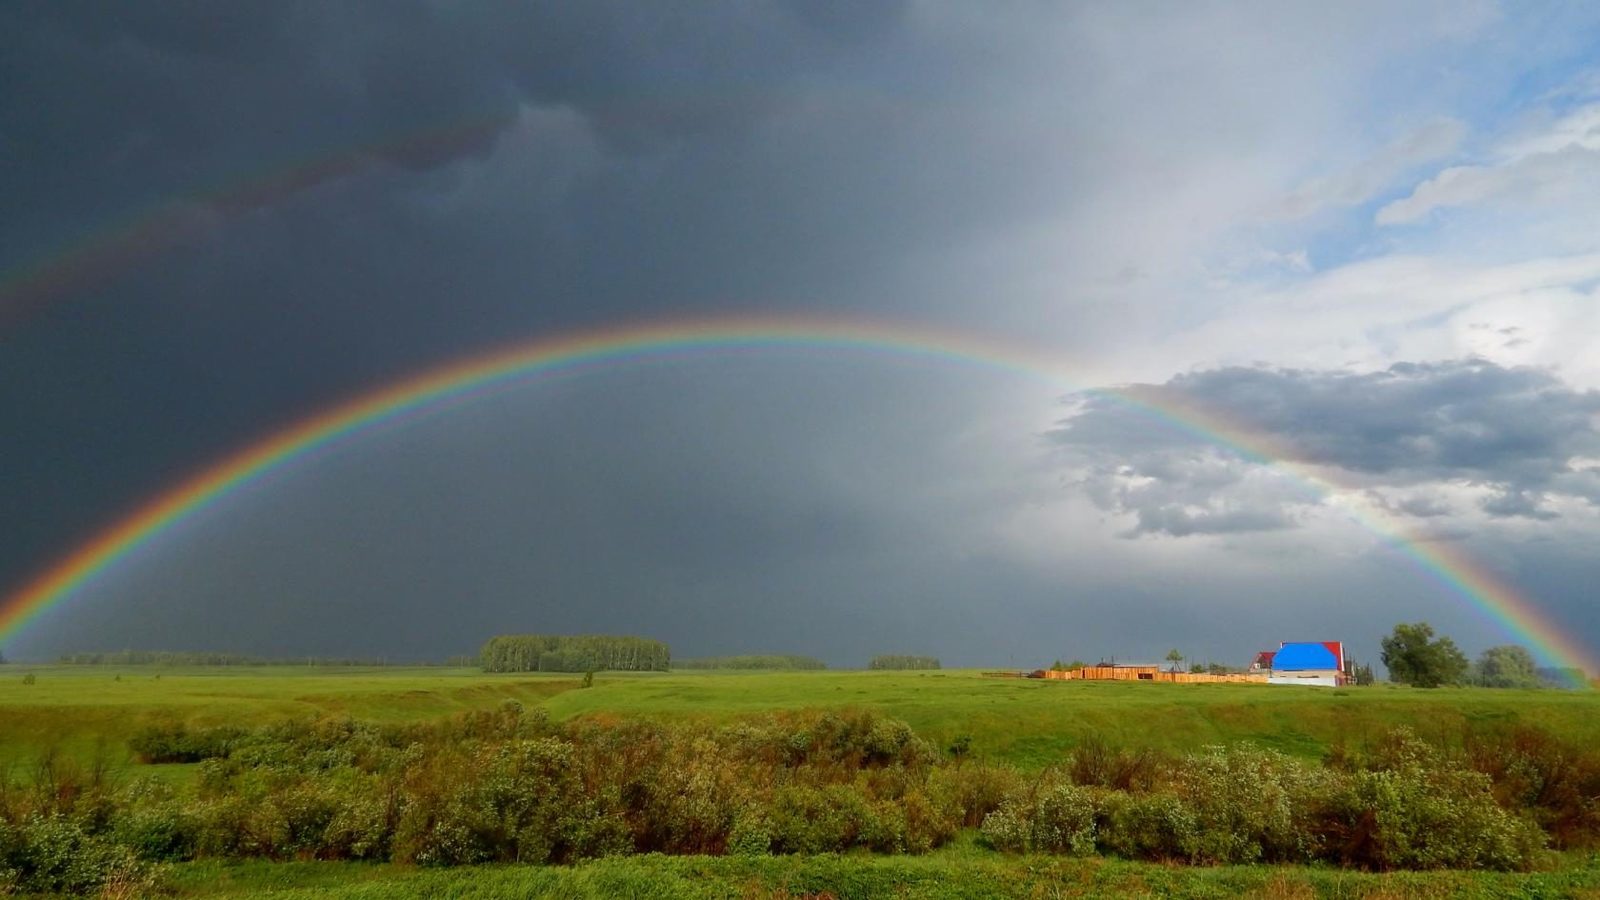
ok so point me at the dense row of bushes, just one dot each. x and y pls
(1408, 808)
(573, 653)
(783, 661)
(899, 661)
(511, 786)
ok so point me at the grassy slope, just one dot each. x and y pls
(1034, 722)
(77, 708)
(1028, 722)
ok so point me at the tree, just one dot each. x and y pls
(1506, 666)
(1174, 657)
(1415, 657)
(1363, 675)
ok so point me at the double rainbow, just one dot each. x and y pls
(467, 378)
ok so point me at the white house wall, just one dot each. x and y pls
(1313, 678)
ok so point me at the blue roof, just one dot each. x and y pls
(1292, 657)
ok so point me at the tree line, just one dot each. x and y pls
(901, 661)
(776, 661)
(1415, 656)
(573, 653)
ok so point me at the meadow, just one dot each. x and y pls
(91, 713)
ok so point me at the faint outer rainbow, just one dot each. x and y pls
(111, 250)
(518, 363)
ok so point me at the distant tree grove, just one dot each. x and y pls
(573, 653)
(785, 661)
(899, 661)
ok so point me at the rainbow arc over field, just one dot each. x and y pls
(517, 364)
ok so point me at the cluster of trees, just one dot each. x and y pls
(573, 653)
(1415, 656)
(783, 661)
(901, 661)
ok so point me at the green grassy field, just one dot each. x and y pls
(1026, 722)
(84, 710)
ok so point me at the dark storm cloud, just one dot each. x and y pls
(222, 218)
(1516, 431)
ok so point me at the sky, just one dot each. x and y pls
(1367, 234)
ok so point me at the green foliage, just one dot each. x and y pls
(174, 742)
(1054, 816)
(892, 661)
(1364, 675)
(1415, 657)
(769, 661)
(1506, 666)
(56, 855)
(1556, 783)
(29, 679)
(573, 653)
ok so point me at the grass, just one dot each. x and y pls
(1026, 722)
(82, 710)
(1033, 723)
(958, 873)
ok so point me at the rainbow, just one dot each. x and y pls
(112, 249)
(463, 380)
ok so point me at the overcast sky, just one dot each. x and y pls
(1368, 233)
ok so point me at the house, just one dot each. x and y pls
(1318, 663)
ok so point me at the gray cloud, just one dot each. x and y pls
(1516, 431)
(223, 218)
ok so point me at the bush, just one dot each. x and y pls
(55, 855)
(1095, 763)
(1158, 827)
(1558, 785)
(173, 742)
(1244, 800)
(1416, 809)
(1055, 817)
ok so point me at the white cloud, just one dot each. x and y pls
(1559, 164)
(1371, 176)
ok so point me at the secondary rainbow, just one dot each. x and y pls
(436, 388)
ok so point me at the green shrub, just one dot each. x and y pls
(1414, 808)
(164, 833)
(1243, 799)
(1054, 817)
(55, 855)
(751, 834)
(173, 742)
(1148, 826)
